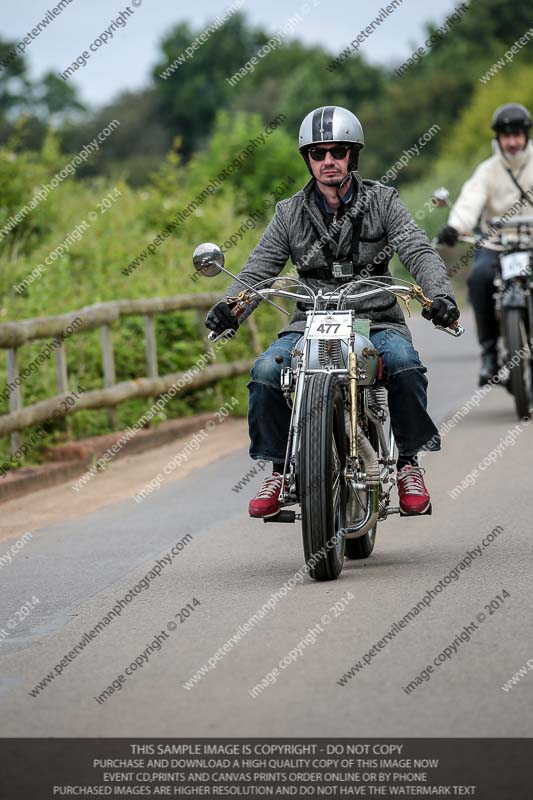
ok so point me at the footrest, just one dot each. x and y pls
(425, 513)
(282, 516)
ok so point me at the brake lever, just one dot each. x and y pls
(229, 333)
(457, 329)
(454, 330)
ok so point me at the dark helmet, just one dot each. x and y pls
(331, 124)
(511, 118)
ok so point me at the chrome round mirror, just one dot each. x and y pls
(440, 197)
(208, 259)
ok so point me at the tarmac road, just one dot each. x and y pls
(87, 553)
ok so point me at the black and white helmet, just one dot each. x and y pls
(331, 124)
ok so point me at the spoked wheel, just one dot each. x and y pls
(323, 492)
(519, 373)
(363, 546)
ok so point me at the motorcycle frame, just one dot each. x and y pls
(349, 376)
(355, 481)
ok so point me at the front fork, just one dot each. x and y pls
(294, 425)
(352, 380)
(290, 495)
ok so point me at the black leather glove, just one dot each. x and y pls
(219, 319)
(443, 311)
(448, 235)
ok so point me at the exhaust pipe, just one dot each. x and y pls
(370, 460)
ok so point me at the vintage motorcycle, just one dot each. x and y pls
(513, 298)
(340, 459)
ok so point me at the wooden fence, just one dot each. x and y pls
(102, 315)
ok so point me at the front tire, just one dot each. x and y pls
(520, 373)
(322, 461)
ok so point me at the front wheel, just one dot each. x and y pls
(518, 352)
(322, 485)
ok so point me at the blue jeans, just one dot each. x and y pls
(405, 379)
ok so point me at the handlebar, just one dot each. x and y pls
(337, 295)
(407, 292)
(514, 222)
(502, 226)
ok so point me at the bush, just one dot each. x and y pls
(112, 235)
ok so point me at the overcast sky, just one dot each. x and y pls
(125, 62)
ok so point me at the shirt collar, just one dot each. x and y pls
(347, 198)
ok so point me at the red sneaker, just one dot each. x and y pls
(266, 502)
(412, 491)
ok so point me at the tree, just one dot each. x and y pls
(27, 107)
(190, 98)
(135, 149)
(15, 86)
(58, 98)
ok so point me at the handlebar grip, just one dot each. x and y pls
(236, 309)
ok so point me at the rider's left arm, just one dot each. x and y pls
(414, 249)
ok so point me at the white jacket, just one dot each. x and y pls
(490, 192)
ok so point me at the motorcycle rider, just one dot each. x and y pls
(497, 185)
(337, 217)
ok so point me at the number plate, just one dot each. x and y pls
(331, 326)
(515, 264)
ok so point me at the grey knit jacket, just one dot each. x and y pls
(297, 227)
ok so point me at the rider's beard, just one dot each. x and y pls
(511, 156)
(506, 154)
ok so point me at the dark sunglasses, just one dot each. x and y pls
(338, 153)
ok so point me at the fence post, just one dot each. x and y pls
(15, 399)
(60, 357)
(108, 363)
(204, 335)
(150, 346)
(254, 335)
